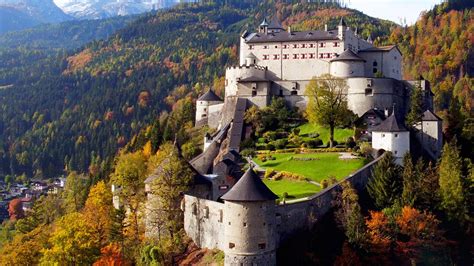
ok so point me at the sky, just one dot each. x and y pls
(394, 10)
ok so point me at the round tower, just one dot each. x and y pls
(347, 65)
(250, 60)
(250, 223)
(202, 106)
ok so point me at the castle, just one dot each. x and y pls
(234, 211)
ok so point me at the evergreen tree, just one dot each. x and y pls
(409, 181)
(451, 183)
(385, 185)
(415, 114)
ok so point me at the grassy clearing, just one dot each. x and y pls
(295, 189)
(326, 164)
(340, 134)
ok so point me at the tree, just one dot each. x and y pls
(385, 185)
(415, 114)
(172, 178)
(130, 172)
(98, 211)
(25, 249)
(451, 183)
(349, 215)
(410, 181)
(15, 209)
(327, 103)
(72, 242)
(111, 255)
(75, 191)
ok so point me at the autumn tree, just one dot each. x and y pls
(45, 210)
(75, 191)
(72, 242)
(451, 183)
(130, 172)
(15, 209)
(171, 177)
(25, 249)
(349, 215)
(385, 185)
(98, 210)
(111, 255)
(327, 103)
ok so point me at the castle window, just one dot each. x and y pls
(336, 44)
(286, 56)
(396, 135)
(206, 212)
(374, 63)
(265, 47)
(275, 56)
(245, 224)
(231, 245)
(322, 44)
(250, 47)
(395, 152)
(221, 216)
(311, 45)
(295, 56)
(205, 109)
(320, 55)
(303, 56)
(281, 92)
(383, 135)
(311, 55)
(285, 46)
(369, 92)
(265, 57)
(294, 92)
(203, 115)
(374, 70)
(295, 45)
(303, 45)
(276, 46)
(254, 93)
(262, 245)
(194, 209)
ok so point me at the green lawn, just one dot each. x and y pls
(327, 164)
(295, 189)
(340, 134)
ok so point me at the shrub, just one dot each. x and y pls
(261, 140)
(285, 195)
(247, 144)
(269, 173)
(270, 147)
(350, 143)
(248, 152)
(270, 135)
(280, 143)
(314, 143)
(324, 183)
(296, 131)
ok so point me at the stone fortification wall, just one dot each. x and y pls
(236, 73)
(364, 94)
(214, 115)
(203, 222)
(294, 217)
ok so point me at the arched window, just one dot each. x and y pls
(374, 63)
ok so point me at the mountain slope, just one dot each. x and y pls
(94, 9)
(82, 107)
(21, 14)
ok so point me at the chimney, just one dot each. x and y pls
(289, 29)
(325, 27)
(386, 112)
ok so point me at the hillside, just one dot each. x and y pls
(81, 107)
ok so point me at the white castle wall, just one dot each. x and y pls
(388, 63)
(234, 74)
(396, 142)
(366, 93)
(203, 222)
(344, 69)
(431, 136)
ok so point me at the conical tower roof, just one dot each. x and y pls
(342, 22)
(391, 124)
(347, 55)
(249, 188)
(264, 23)
(209, 96)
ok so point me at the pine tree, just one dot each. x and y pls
(410, 177)
(416, 107)
(385, 185)
(450, 183)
